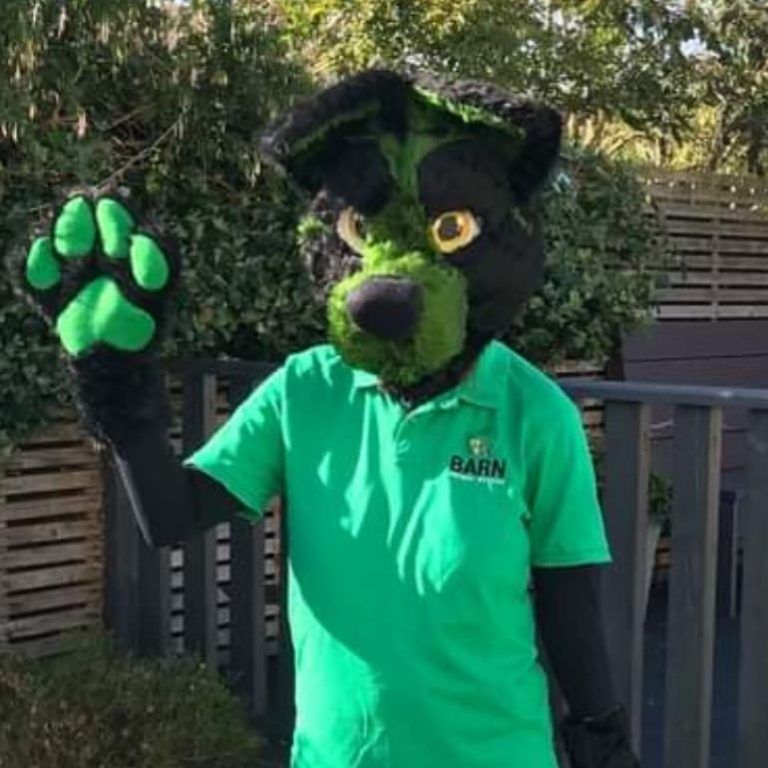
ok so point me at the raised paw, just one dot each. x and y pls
(98, 278)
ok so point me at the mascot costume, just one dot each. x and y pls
(441, 500)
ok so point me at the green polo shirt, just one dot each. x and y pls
(411, 538)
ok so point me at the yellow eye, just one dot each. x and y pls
(454, 230)
(350, 228)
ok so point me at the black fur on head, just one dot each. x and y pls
(403, 151)
(319, 136)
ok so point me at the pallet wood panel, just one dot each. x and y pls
(50, 540)
(717, 231)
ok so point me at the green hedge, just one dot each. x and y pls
(605, 259)
(94, 707)
(168, 105)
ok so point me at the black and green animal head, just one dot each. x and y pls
(420, 235)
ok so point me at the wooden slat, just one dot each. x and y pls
(46, 482)
(61, 530)
(719, 278)
(68, 456)
(121, 577)
(691, 620)
(748, 231)
(62, 575)
(753, 686)
(248, 650)
(627, 466)
(710, 311)
(735, 254)
(223, 573)
(200, 571)
(58, 597)
(714, 294)
(52, 554)
(58, 621)
(249, 672)
(675, 209)
(40, 647)
(75, 505)
(154, 592)
(50, 537)
(669, 342)
(282, 703)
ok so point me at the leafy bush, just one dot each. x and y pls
(167, 101)
(605, 257)
(95, 708)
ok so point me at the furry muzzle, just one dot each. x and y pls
(401, 318)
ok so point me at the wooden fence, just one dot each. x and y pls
(717, 228)
(219, 595)
(141, 588)
(51, 541)
(50, 492)
(698, 413)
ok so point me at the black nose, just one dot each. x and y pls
(387, 307)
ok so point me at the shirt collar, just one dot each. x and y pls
(482, 387)
(364, 379)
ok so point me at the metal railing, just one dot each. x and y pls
(138, 588)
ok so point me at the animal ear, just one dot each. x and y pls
(308, 142)
(525, 133)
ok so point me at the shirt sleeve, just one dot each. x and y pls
(565, 520)
(246, 454)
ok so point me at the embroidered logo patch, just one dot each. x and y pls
(480, 465)
(478, 446)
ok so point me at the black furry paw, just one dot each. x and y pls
(599, 742)
(103, 285)
(100, 281)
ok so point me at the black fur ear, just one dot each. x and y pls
(313, 140)
(308, 141)
(528, 134)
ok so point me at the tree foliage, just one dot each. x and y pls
(599, 62)
(734, 67)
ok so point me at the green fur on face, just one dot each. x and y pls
(397, 245)
(440, 334)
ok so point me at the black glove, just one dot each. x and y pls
(599, 742)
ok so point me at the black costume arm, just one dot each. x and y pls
(171, 503)
(124, 404)
(596, 734)
(570, 623)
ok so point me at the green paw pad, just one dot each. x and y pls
(115, 227)
(42, 268)
(74, 232)
(99, 312)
